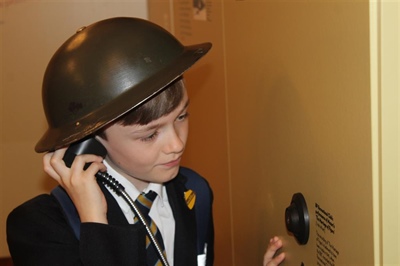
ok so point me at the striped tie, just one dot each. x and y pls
(144, 202)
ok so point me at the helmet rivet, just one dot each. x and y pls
(199, 51)
(77, 124)
(81, 29)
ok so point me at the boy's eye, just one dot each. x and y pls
(150, 137)
(183, 116)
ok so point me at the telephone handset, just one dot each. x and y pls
(86, 146)
(93, 146)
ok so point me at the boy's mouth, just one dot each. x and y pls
(173, 163)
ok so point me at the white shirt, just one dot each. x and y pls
(160, 212)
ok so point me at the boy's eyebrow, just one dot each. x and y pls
(186, 105)
(151, 127)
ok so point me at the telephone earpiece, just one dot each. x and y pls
(87, 146)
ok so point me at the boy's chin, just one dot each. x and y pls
(172, 173)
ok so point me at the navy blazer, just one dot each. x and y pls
(39, 234)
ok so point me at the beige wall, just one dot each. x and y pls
(290, 102)
(30, 32)
(303, 126)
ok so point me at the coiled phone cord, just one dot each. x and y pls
(113, 184)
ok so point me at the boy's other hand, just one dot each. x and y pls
(274, 244)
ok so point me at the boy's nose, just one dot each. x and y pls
(175, 143)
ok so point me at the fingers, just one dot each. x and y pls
(274, 245)
(77, 174)
(54, 165)
(51, 163)
(277, 260)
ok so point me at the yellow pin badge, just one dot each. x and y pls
(190, 198)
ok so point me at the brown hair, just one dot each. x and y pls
(160, 105)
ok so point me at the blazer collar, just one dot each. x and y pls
(185, 223)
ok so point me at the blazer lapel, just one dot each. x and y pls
(185, 250)
(114, 213)
(185, 224)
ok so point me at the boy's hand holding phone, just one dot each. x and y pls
(80, 184)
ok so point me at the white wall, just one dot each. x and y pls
(385, 100)
(30, 32)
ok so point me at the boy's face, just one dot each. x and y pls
(152, 152)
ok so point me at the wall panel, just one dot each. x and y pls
(299, 71)
(296, 77)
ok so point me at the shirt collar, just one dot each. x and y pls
(132, 191)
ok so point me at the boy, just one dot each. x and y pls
(118, 81)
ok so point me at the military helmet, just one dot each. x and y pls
(105, 70)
